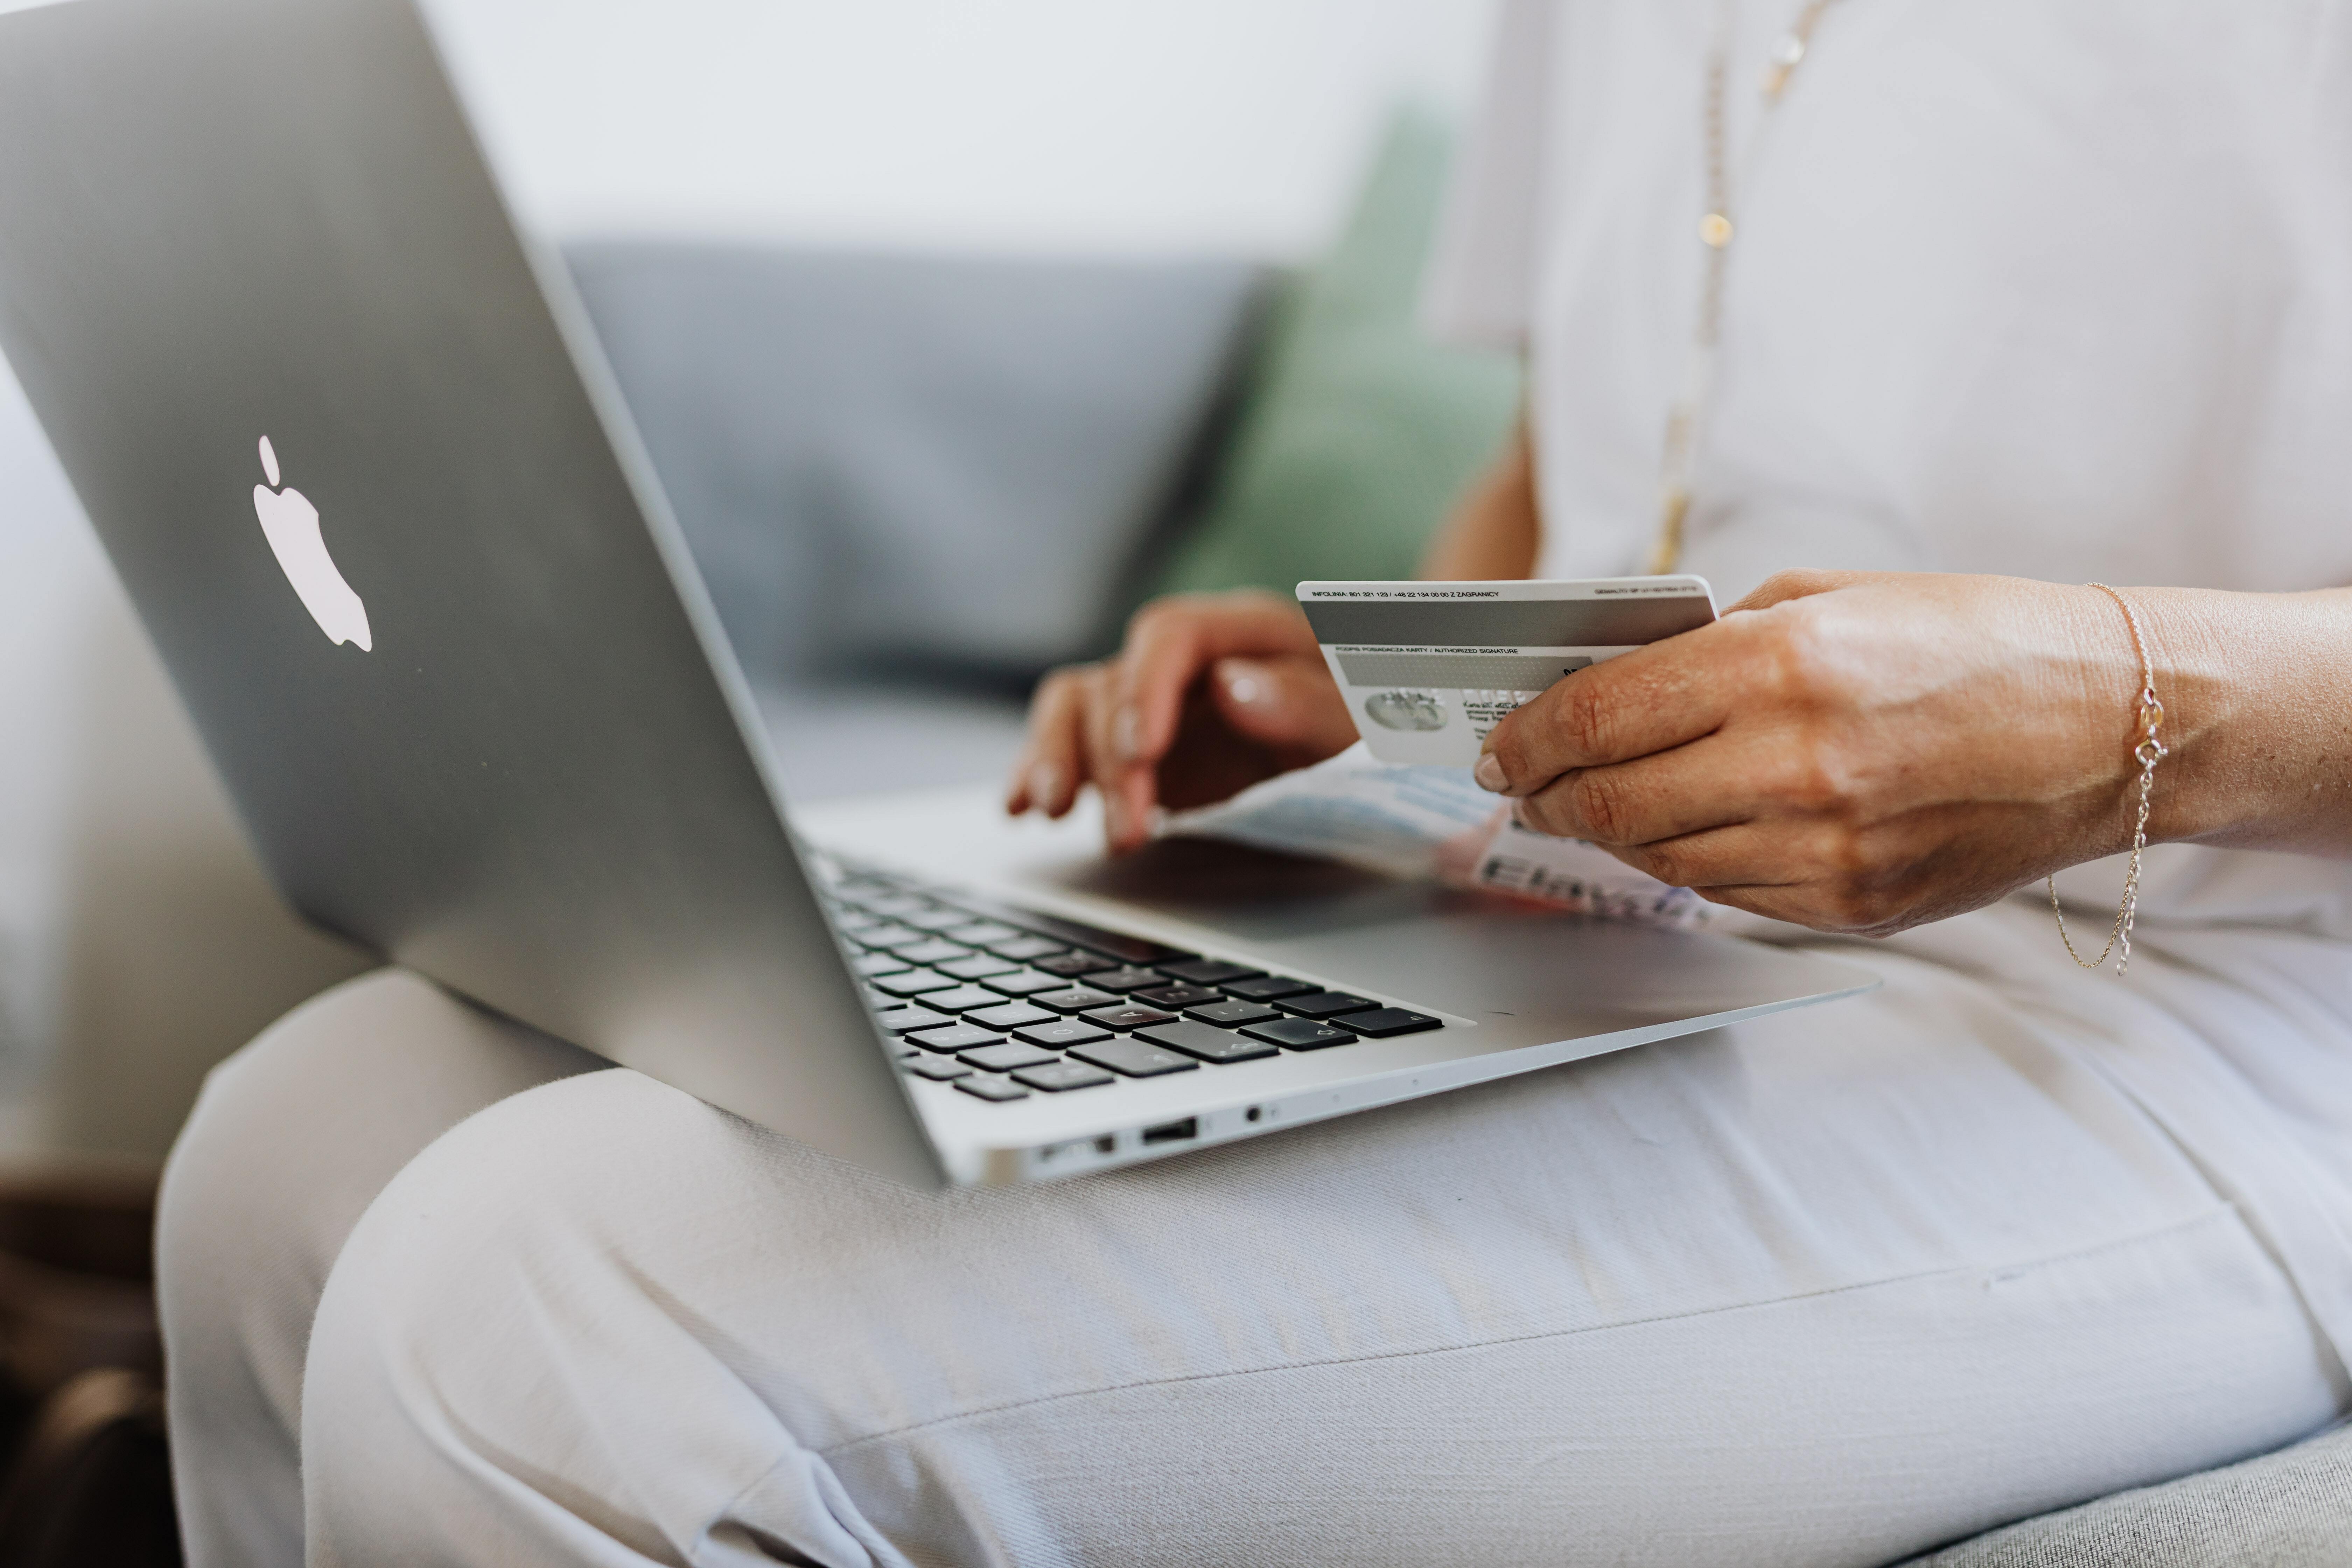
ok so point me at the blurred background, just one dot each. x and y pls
(955, 331)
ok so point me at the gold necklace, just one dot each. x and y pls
(1715, 232)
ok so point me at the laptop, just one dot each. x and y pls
(353, 450)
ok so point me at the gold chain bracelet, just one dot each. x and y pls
(2148, 751)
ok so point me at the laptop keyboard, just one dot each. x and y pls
(1005, 1004)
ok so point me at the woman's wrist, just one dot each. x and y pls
(2257, 694)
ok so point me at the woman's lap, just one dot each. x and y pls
(1829, 1287)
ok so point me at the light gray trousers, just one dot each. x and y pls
(1829, 1288)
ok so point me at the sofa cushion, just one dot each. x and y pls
(1359, 432)
(2292, 1509)
(886, 460)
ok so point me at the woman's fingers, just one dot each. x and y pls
(1113, 725)
(1161, 719)
(1829, 875)
(1114, 765)
(1777, 872)
(1639, 702)
(1708, 783)
(1169, 644)
(1052, 764)
(1286, 702)
(1739, 855)
(1070, 746)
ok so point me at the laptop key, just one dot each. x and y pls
(1210, 972)
(962, 999)
(1007, 1057)
(979, 966)
(956, 1037)
(1118, 947)
(936, 920)
(1231, 1015)
(893, 904)
(893, 937)
(1025, 982)
(906, 1020)
(1136, 1058)
(995, 1088)
(932, 952)
(1177, 996)
(1025, 948)
(913, 983)
(1070, 966)
(1126, 1016)
(1061, 1033)
(1300, 1034)
(1382, 1022)
(870, 965)
(1125, 979)
(1325, 1003)
(1011, 1015)
(1267, 987)
(939, 1070)
(1201, 1040)
(1076, 999)
(1056, 1077)
(979, 933)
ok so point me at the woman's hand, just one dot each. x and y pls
(1210, 693)
(1852, 751)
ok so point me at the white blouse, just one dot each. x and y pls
(2060, 289)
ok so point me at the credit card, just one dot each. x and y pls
(1428, 668)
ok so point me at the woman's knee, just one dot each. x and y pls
(508, 1337)
(291, 1141)
(295, 1134)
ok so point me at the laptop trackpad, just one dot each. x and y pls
(1474, 954)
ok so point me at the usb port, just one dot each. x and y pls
(1173, 1131)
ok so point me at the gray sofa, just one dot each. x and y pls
(2288, 1510)
(914, 483)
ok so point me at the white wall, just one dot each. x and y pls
(1232, 126)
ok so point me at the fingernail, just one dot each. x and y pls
(1244, 689)
(1127, 733)
(1114, 817)
(1489, 774)
(1044, 786)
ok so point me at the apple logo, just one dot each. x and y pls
(291, 524)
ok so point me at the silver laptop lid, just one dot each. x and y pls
(438, 631)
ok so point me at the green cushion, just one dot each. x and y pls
(1359, 432)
